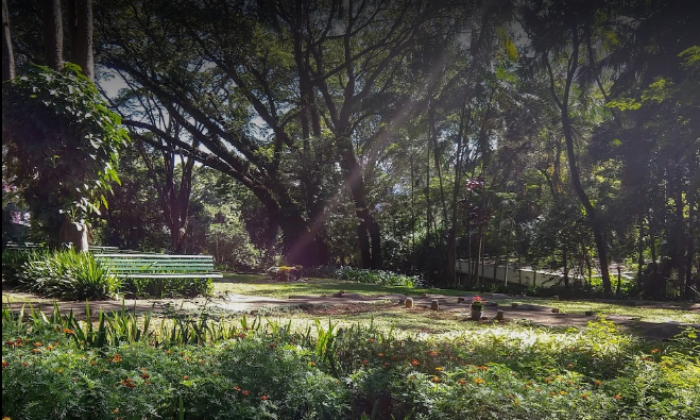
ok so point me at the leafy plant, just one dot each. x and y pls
(68, 275)
(160, 287)
(380, 277)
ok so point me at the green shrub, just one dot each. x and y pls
(197, 368)
(68, 275)
(144, 287)
(12, 262)
(380, 277)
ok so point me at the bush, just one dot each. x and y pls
(68, 275)
(380, 277)
(12, 262)
(168, 287)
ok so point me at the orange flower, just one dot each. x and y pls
(312, 363)
(435, 379)
(364, 362)
(145, 376)
(570, 365)
(38, 344)
(6, 418)
(246, 392)
(483, 368)
(598, 383)
(478, 381)
(68, 331)
(264, 398)
(654, 351)
(584, 396)
(371, 340)
(434, 353)
(4, 364)
(185, 377)
(237, 388)
(461, 382)
(115, 411)
(415, 362)
(117, 358)
(380, 355)
(618, 397)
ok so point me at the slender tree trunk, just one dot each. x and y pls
(53, 33)
(81, 48)
(8, 56)
(595, 222)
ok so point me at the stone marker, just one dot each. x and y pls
(499, 315)
(409, 303)
(434, 305)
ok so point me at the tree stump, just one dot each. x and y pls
(435, 305)
(409, 303)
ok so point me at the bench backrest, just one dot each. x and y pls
(157, 263)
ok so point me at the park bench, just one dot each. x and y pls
(159, 266)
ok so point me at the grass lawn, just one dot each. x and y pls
(249, 284)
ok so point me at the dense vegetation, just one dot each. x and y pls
(131, 368)
(396, 135)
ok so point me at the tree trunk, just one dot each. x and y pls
(81, 48)
(8, 56)
(594, 220)
(368, 231)
(53, 33)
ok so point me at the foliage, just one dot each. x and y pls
(64, 143)
(12, 262)
(161, 287)
(68, 275)
(380, 277)
(477, 303)
(119, 365)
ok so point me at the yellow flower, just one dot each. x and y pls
(478, 381)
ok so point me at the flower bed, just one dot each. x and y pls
(129, 368)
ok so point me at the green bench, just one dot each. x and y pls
(159, 266)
